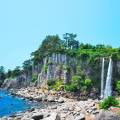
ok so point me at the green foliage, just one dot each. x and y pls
(71, 47)
(34, 77)
(88, 82)
(70, 42)
(2, 73)
(16, 72)
(50, 82)
(118, 86)
(45, 68)
(108, 102)
(75, 84)
(66, 67)
(80, 72)
(55, 84)
(27, 65)
(9, 73)
(70, 87)
(58, 85)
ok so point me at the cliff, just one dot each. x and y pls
(57, 67)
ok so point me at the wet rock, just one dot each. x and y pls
(37, 116)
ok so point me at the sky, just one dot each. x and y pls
(25, 23)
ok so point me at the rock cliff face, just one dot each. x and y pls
(61, 66)
(15, 83)
(57, 66)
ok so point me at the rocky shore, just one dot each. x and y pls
(62, 108)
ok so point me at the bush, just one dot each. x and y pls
(50, 82)
(34, 77)
(71, 87)
(108, 102)
(45, 68)
(118, 86)
(55, 84)
(88, 82)
(75, 84)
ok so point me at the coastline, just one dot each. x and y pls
(59, 107)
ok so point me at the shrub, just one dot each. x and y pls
(118, 86)
(75, 84)
(108, 102)
(55, 84)
(45, 68)
(58, 85)
(88, 82)
(34, 77)
(70, 87)
(50, 82)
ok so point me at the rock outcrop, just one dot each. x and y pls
(15, 83)
(57, 66)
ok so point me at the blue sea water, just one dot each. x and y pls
(9, 104)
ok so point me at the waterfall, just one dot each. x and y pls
(102, 79)
(108, 86)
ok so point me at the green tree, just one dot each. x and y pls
(2, 73)
(27, 66)
(118, 86)
(16, 72)
(70, 42)
(9, 73)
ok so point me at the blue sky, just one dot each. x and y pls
(25, 23)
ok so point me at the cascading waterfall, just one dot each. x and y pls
(108, 86)
(102, 78)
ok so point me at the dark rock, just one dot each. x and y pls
(32, 109)
(37, 116)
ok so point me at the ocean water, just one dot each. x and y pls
(10, 105)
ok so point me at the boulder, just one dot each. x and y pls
(106, 115)
(51, 99)
(37, 116)
(80, 117)
(60, 100)
(53, 116)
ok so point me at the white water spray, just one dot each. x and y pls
(108, 86)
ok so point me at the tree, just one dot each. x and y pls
(9, 73)
(16, 72)
(27, 65)
(50, 44)
(70, 42)
(2, 73)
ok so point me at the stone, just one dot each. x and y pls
(37, 116)
(51, 99)
(60, 100)
(106, 115)
(54, 107)
(80, 117)
(53, 116)
(69, 117)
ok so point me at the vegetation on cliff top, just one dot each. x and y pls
(68, 45)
